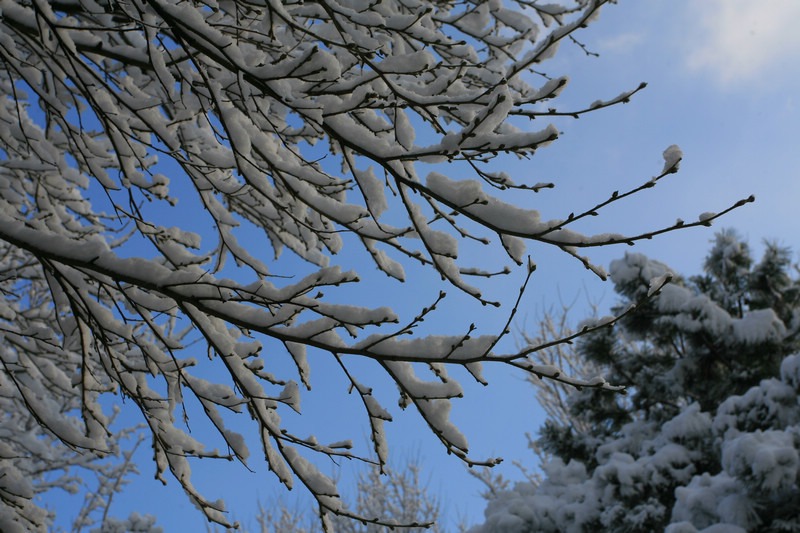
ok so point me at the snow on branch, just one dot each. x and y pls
(145, 143)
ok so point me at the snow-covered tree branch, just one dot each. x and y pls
(397, 494)
(320, 127)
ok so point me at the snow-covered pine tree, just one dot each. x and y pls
(709, 432)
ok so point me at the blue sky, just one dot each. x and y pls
(723, 80)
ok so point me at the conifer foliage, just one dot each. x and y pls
(709, 433)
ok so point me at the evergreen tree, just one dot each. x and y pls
(709, 432)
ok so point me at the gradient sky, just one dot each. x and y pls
(723, 83)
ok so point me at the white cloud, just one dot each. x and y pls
(740, 40)
(621, 43)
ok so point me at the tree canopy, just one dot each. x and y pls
(309, 124)
(708, 435)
